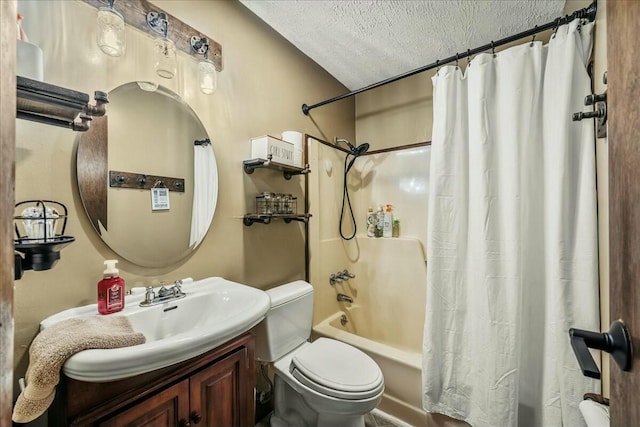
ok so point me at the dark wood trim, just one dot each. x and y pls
(399, 147)
(92, 170)
(135, 14)
(141, 181)
(8, 11)
(307, 248)
(623, 91)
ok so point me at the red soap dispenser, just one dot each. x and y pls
(110, 289)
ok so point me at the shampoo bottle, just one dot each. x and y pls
(110, 289)
(371, 223)
(387, 230)
(379, 222)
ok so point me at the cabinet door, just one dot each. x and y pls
(169, 408)
(221, 395)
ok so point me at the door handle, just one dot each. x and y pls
(616, 342)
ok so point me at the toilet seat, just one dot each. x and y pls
(336, 369)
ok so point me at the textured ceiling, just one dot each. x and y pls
(361, 42)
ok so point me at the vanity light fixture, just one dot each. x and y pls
(164, 49)
(207, 74)
(111, 33)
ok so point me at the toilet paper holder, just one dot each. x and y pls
(616, 342)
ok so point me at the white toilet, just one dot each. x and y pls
(326, 383)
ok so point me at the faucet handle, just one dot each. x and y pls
(335, 278)
(177, 288)
(149, 295)
(345, 273)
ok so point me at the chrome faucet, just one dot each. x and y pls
(346, 275)
(340, 276)
(343, 297)
(164, 294)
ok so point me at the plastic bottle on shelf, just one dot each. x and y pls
(395, 232)
(371, 222)
(379, 222)
(388, 222)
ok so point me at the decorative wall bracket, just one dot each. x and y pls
(599, 101)
(54, 105)
(288, 171)
(140, 181)
(135, 13)
(249, 219)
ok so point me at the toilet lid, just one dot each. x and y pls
(337, 369)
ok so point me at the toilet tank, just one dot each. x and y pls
(288, 323)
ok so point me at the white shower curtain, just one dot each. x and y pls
(512, 236)
(205, 192)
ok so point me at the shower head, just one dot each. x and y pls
(360, 149)
(356, 151)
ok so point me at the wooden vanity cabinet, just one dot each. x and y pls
(214, 389)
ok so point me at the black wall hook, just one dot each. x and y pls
(616, 342)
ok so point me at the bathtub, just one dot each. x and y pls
(401, 362)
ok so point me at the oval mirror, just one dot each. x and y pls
(136, 169)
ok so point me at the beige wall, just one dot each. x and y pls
(264, 82)
(396, 114)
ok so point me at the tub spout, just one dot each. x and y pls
(343, 297)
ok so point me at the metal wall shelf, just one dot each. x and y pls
(288, 171)
(249, 218)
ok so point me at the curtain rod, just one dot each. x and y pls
(585, 13)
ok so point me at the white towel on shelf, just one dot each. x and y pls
(595, 414)
(205, 192)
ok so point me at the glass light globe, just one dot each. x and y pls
(207, 76)
(111, 32)
(165, 54)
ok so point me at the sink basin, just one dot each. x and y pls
(214, 311)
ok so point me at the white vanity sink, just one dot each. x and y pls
(214, 311)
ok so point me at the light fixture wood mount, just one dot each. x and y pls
(135, 14)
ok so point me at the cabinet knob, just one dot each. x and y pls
(183, 423)
(195, 417)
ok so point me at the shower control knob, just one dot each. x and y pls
(599, 113)
(593, 98)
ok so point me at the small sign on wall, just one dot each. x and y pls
(159, 199)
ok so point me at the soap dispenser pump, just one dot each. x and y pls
(110, 289)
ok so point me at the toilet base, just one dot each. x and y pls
(290, 410)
